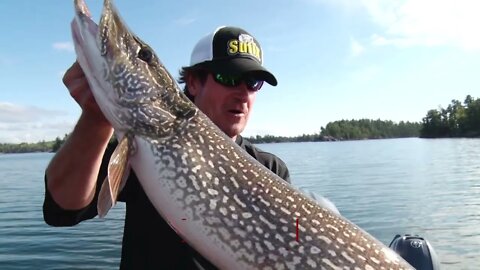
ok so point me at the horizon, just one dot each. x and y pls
(334, 59)
(247, 137)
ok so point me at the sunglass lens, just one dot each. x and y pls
(227, 80)
(253, 84)
(232, 81)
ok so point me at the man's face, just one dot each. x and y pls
(228, 107)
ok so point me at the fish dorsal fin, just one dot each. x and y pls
(118, 172)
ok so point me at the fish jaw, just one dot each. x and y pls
(132, 87)
(85, 39)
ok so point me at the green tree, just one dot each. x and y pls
(457, 120)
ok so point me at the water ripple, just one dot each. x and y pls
(387, 187)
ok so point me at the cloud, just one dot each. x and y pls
(64, 46)
(12, 113)
(34, 132)
(183, 21)
(31, 124)
(425, 22)
(356, 48)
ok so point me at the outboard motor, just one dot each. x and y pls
(416, 250)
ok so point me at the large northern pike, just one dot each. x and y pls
(239, 215)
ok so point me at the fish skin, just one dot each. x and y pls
(226, 205)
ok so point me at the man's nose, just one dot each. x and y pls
(243, 91)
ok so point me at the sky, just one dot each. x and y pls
(334, 59)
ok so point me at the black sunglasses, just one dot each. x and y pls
(232, 81)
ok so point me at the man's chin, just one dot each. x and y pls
(234, 130)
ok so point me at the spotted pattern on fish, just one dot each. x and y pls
(267, 218)
(247, 212)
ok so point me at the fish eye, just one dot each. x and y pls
(145, 54)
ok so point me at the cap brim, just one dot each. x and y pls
(240, 65)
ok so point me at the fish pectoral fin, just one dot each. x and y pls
(118, 172)
(105, 200)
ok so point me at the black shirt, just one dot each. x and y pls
(148, 241)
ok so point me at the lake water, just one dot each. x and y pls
(387, 187)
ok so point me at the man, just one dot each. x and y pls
(223, 78)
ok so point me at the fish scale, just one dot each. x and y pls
(225, 204)
(262, 213)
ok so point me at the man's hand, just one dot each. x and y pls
(73, 171)
(77, 84)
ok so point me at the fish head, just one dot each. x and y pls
(131, 85)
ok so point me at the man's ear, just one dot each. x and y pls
(193, 84)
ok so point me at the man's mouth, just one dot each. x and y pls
(236, 112)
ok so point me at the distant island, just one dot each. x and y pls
(457, 120)
(342, 130)
(334, 131)
(42, 146)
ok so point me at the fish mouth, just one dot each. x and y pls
(111, 36)
(123, 72)
(84, 32)
(95, 52)
(83, 20)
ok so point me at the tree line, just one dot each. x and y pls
(334, 131)
(350, 130)
(42, 146)
(457, 120)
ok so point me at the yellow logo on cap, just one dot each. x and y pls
(244, 44)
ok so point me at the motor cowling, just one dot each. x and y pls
(415, 250)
